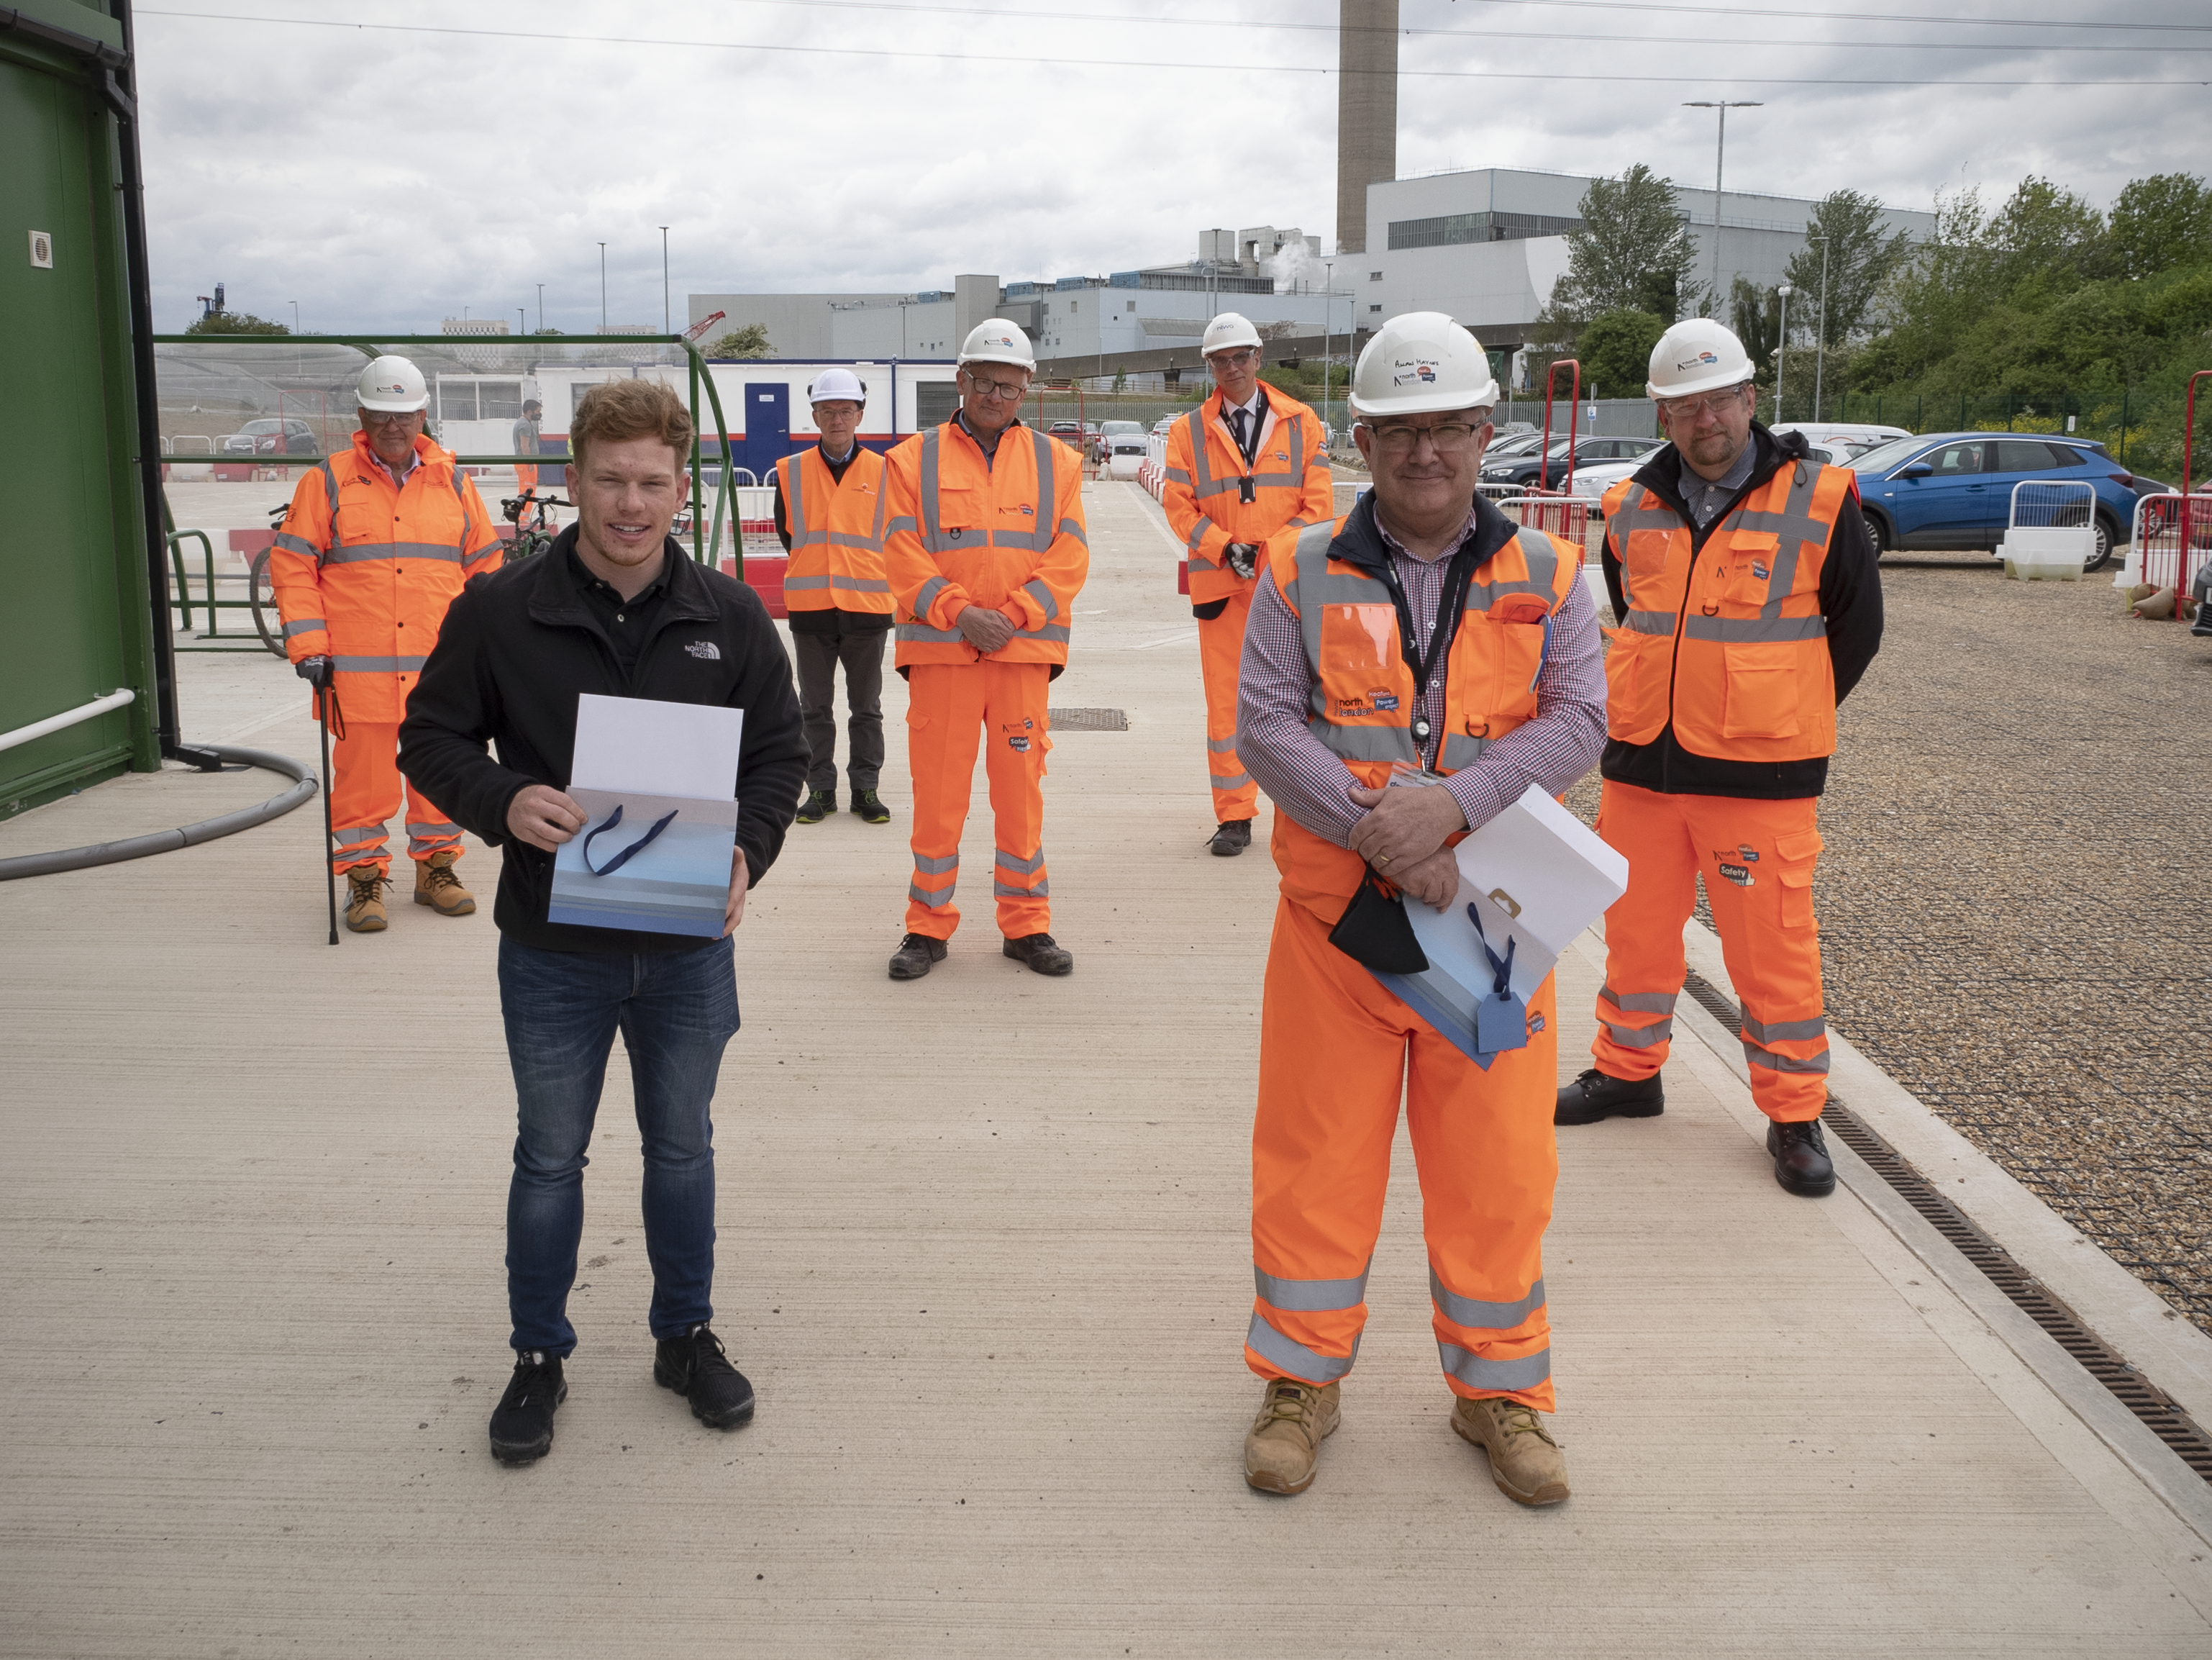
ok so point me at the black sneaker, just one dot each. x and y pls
(1040, 952)
(695, 1367)
(1801, 1158)
(522, 1422)
(1232, 838)
(818, 806)
(870, 805)
(1596, 1095)
(915, 955)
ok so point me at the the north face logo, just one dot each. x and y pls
(705, 650)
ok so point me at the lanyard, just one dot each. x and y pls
(1452, 610)
(627, 853)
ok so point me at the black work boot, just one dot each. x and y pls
(695, 1367)
(917, 952)
(1232, 838)
(1040, 952)
(1801, 1158)
(870, 805)
(818, 806)
(1596, 1095)
(522, 1422)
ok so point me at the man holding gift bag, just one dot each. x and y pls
(614, 609)
(1421, 634)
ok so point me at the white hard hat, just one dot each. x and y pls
(391, 384)
(833, 384)
(1421, 363)
(998, 340)
(1226, 332)
(1696, 355)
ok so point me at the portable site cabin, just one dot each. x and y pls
(764, 403)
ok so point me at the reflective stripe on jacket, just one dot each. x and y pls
(1727, 641)
(1361, 701)
(1006, 533)
(837, 528)
(1203, 493)
(363, 572)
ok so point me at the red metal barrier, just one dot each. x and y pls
(1574, 397)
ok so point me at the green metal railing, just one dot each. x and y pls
(705, 538)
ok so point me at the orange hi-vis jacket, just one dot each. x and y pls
(1211, 501)
(1727, 641)
(1362, 700)
(1006, 533)
(837, 528)
(364, 572)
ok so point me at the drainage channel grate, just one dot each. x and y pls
(1090, 720)
(2159, 1414)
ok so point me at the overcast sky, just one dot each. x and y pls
(389, 177)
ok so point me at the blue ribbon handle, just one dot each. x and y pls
(1502, 966)
(641, 844)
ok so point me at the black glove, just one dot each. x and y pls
(1243, 557)
(317, 671)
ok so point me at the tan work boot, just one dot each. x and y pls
(1524, 1461)
(436, 886)
(365, 899)
(1286, 1439)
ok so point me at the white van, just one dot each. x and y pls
(1845, 438)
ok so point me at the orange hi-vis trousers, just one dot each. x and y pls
(948, 705)
(1221, 650)
(366, 790)
(1335, 1051)
(1757, 858)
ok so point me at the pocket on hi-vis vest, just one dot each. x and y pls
(1359, 661)
(1759, 699)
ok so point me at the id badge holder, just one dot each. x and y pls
(1246, 492)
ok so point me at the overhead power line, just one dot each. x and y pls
(544, 38)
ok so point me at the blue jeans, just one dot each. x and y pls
(676, 1013)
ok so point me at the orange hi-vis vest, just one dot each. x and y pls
(1363, 690)
(837, 528)
(1003, 533)
(1727, 642)
(363, 571)
(1211, 500)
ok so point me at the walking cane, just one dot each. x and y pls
(325, 697)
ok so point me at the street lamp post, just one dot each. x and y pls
(1781, 350)
(1720, 155)
(1820, 344)
(1327, 319)
(665, 327)
(602, 287)
(541, 308)
(295, 315)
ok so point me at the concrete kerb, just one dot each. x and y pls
(2116, 1307)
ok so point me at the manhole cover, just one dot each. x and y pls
(1090, 720)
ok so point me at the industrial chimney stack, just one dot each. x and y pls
(1366, 111)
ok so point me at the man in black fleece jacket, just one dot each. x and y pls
(616, 608)
(1749, 605)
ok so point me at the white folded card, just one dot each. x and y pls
(1536, 875)
(658, 782)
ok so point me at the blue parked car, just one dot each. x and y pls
(1953, 489)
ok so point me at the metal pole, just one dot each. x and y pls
(541, 308)
(1720, 155)
(1327, 319)
(1820, 346)
(1782, 351)
(602, 287)
(664, 328)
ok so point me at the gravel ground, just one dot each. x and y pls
(2013, 897)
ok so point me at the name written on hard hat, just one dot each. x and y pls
(1410, 370)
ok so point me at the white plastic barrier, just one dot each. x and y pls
(2051, 532)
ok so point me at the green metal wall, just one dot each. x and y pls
(75, 613)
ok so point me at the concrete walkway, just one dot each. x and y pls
(984, 1255)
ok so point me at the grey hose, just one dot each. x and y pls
(138, 847)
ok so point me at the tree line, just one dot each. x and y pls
(2038, 307)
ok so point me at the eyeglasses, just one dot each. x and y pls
(387, 417)
(1235, 360)
(1450, 437)
(1006, 392)
(1689, 409)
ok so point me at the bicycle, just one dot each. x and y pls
(537, 535)
(261, 591)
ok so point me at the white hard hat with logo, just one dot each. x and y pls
(998, 340)
(1228, 332)
(393, 385)
(1696, 355)
(1421, 363)
(833, 384)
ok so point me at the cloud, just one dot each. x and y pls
(386, 179)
